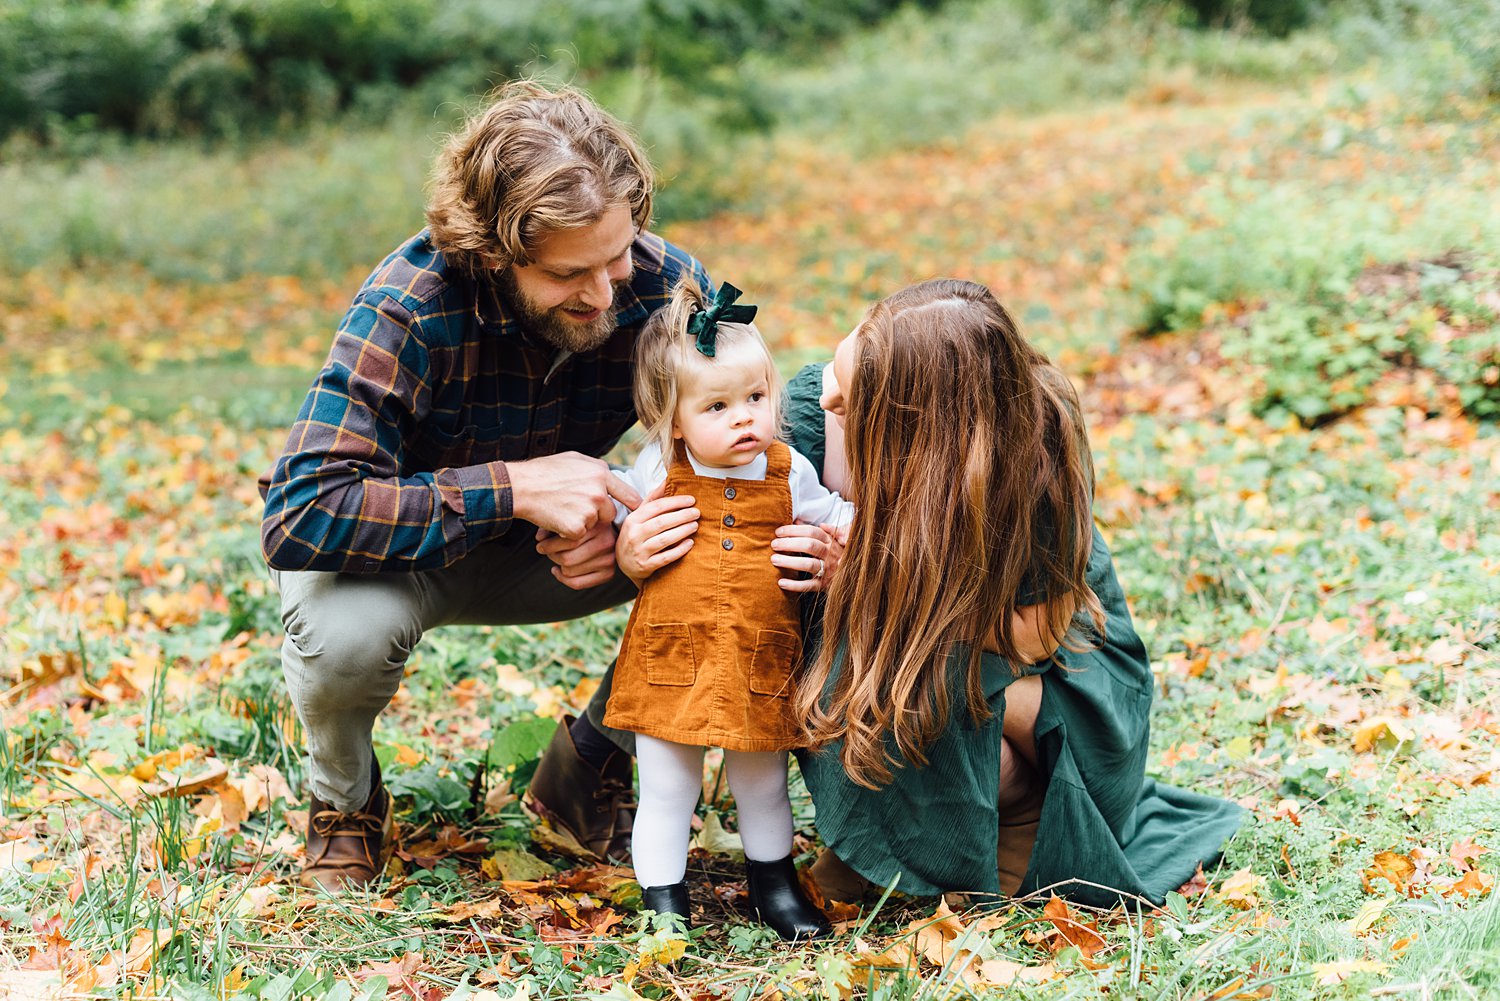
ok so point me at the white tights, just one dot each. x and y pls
(671, 780)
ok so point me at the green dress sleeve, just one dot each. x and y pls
(802, 416)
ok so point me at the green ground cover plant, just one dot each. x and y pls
(1278, 299)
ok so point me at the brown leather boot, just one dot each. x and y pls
(348, 850)
(596, 807)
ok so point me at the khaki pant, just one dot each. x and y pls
(348, 637)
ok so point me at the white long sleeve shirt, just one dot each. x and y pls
(812, 502)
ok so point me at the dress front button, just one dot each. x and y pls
(728, 543)
(729, 520)
(729, 493)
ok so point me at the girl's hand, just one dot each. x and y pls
(813, 549)
(655, 534)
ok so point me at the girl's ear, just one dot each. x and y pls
(676, 431)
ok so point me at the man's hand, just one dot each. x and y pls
(581, 563)
(657, 532)
(567, 494)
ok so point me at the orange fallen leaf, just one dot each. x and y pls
(1392, 867)
(1083, 935)
(1473, 884)
(1464, 852)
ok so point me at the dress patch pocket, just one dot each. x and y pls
(668, 650)
(771, 668)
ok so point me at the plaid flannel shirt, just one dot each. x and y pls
(397, 459)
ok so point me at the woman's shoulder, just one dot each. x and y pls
(804, 417)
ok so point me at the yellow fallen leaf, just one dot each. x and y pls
(193, 844)
(161, 761)
(1337, 972)
(233, 982)
(715, 840)
(1241, 890)
(1365, 918)
(935, 937)
(661, 949)
(1384, 732)
(514, 864)
(145, 946)
(172, 783)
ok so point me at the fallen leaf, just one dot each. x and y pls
(17, 855)
(1464, 852)
(1367, 915)
(30, 985)
(400, 976)
(715, 840)
(147, 770)
(1072, 931)
(1473, 884)
(515, 864)
(1392, 867)
(1329, 974)
(1383, 732)
(1241, 890)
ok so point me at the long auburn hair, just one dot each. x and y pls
(958, 434)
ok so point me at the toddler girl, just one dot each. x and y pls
(709, 655)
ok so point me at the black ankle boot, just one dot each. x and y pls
(669, 899)
(779, 901)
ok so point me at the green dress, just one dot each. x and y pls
(1106, 830)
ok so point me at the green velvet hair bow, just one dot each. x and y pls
(704, 324)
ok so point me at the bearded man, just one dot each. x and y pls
(445, 467)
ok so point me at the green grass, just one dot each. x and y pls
(1292, 582)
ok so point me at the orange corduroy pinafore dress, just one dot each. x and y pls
(713, 643)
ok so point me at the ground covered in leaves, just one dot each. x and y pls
(1281, 310)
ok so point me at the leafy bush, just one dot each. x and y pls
(1333, 288)
(224, 67)
(1319, 358)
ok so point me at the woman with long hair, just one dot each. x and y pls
(978, 710)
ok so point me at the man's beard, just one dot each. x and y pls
(550, 324)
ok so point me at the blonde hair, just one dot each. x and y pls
(665, 350)
(534, 161)
(970, 469)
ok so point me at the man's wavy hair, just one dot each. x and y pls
(532, 162)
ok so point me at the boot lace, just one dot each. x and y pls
(330, 824)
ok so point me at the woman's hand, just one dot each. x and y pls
(813, 549)
(655, 534)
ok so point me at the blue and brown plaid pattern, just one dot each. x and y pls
(397, 458)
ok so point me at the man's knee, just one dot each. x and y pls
(351, 635)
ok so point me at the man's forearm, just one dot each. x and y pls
(339, 520)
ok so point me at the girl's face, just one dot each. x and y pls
(724, 408)
(842, 375)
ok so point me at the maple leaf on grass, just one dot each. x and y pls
(1464, 852)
